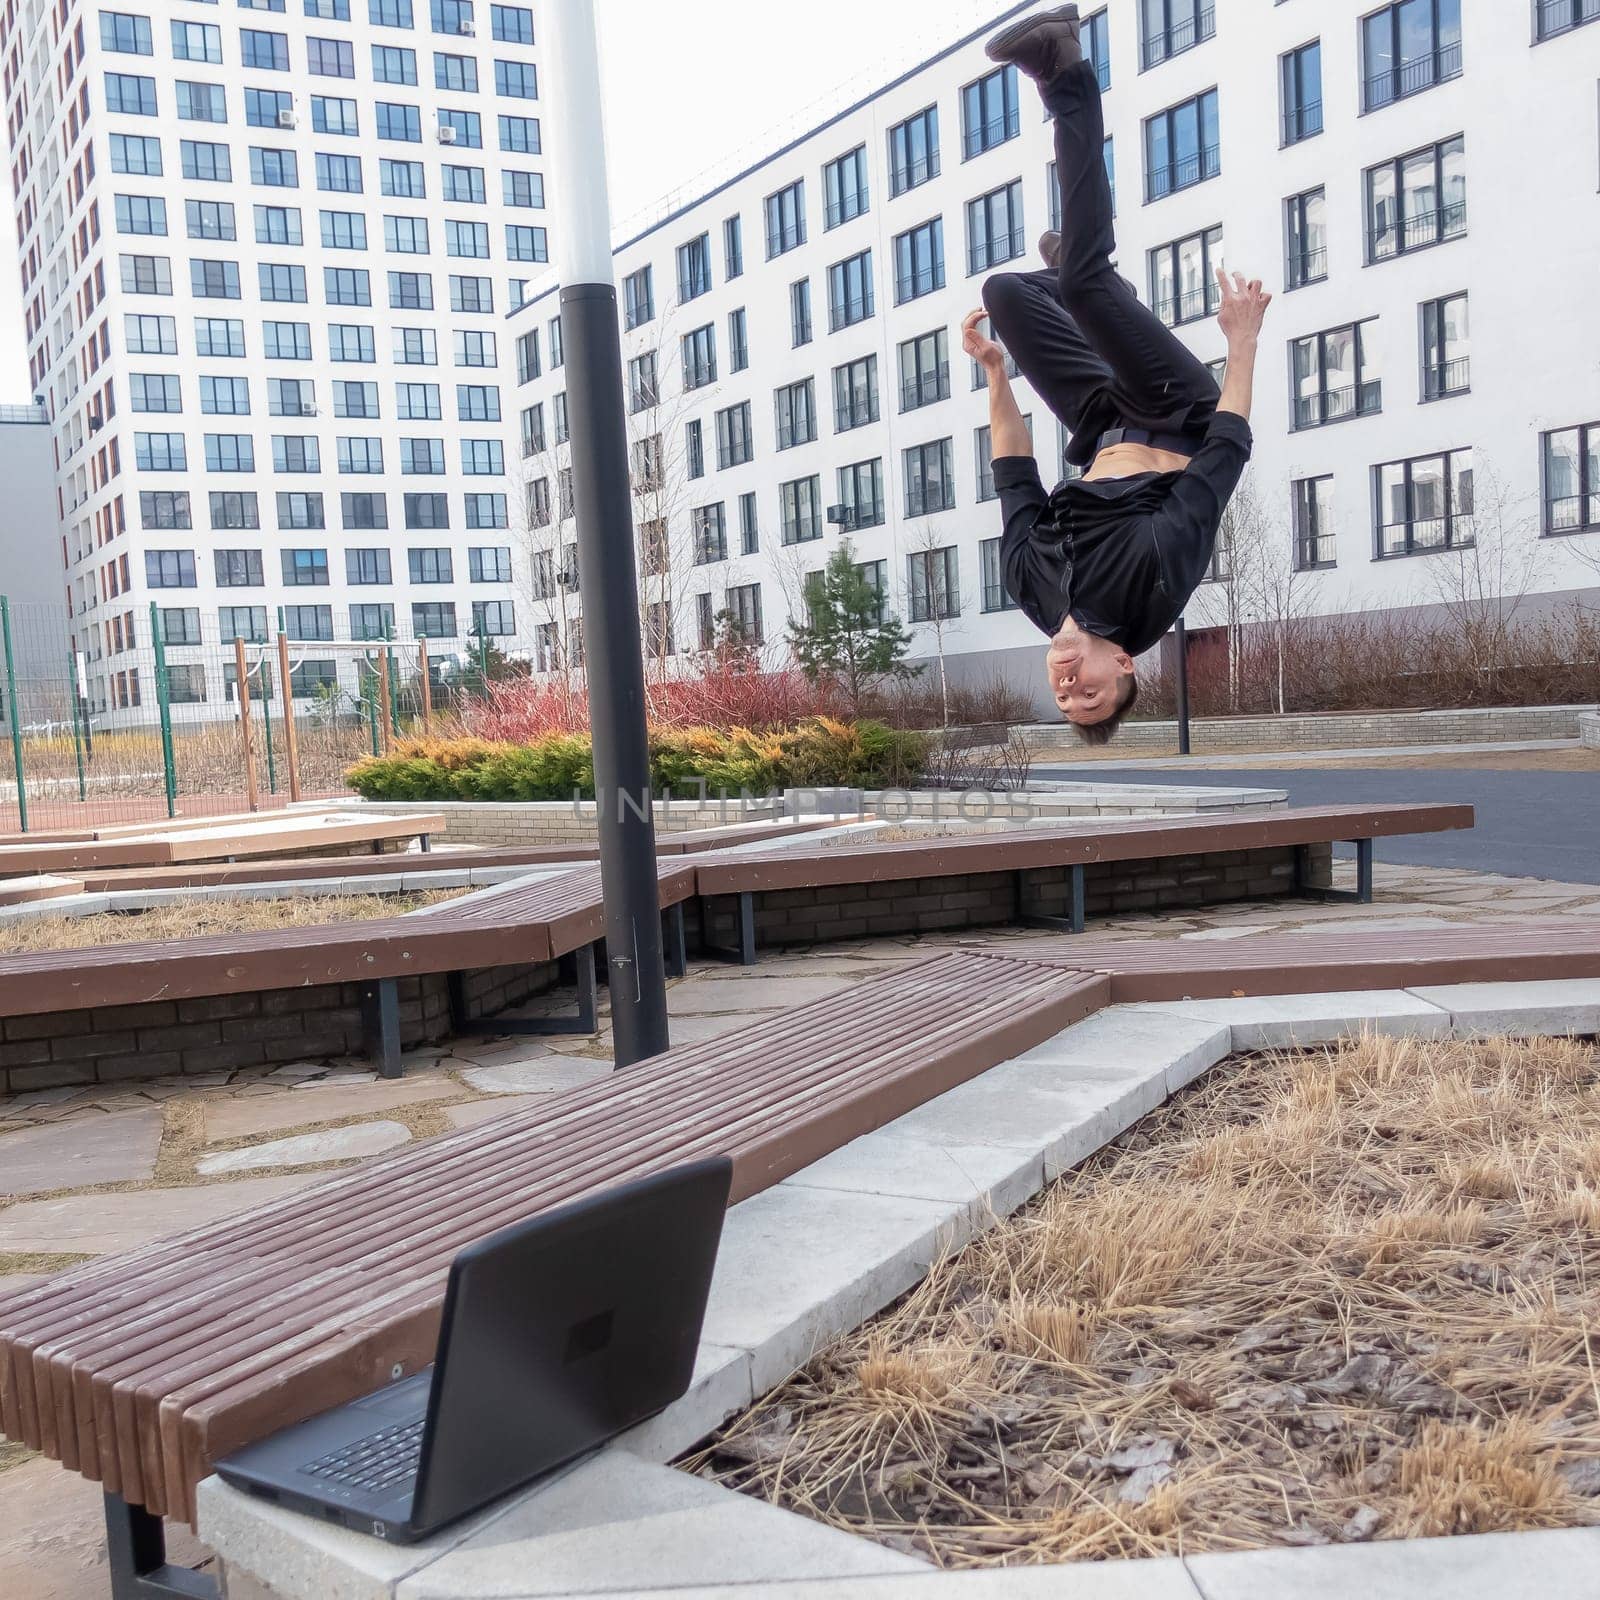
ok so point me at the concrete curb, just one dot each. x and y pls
(813, 1257)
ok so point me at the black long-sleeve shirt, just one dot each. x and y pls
(1121, 555)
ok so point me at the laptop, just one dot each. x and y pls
(557, 1334)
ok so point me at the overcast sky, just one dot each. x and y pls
(692, 87)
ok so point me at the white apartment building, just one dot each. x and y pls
(268, 248)
(1417, 178)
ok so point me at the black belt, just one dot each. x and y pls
(1178, 444)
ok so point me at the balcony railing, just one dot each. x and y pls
(1424, 534)
(1303, 122)
(925, 388)
(1189, 306)
(1572, 513)
(1203, 164)
(1314, 550)
(923, 280)
(1181, 36)
(1412, 77)
(842, 313)
(1336, 405)
(855, 412)
(923, 499)
(1562, 16)
(981, 136)
(846, 208)
(999, 247)
(1446, 378)
(996, 597)
(801, 431)
(1434, 226)
(1308, 266)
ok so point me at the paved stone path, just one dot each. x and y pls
(101, 1169)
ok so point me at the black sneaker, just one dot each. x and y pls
(1042, 46)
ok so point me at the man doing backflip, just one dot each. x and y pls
(1106, 563)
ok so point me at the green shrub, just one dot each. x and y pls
(817, 753)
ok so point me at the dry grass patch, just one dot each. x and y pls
(186, 918)
(1323, 1297)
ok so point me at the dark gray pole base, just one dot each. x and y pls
(1361, 895)
(380, 1024)
(1072, 923)
(136, 1558)
(743, 951)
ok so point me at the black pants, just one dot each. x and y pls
(1096, 356)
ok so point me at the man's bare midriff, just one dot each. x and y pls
(1128, 460)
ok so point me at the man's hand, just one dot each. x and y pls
(982, 349)
(1244, 305)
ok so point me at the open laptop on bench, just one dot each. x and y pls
(557, 1333)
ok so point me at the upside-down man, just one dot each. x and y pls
(1106, 563)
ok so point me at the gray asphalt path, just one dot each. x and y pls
(1530, 824)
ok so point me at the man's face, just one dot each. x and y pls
(1086, 674)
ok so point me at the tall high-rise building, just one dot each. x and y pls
(1414, 178)
(267, 252)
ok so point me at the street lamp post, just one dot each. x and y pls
(1181, 657)
(607, 578)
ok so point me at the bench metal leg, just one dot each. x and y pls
(380, 1024)
(1072, 923)
(1361, 895)
(744, 949)
(425, 844)
(677, 948)
(136, 1550)
(586, 1019)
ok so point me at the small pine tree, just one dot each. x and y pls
(845, 635)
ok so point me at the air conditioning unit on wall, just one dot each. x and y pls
(447, 136)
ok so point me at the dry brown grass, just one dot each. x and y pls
(182, 919)
(1333, 1296)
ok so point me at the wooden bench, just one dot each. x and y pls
(139, 1371)
(1026, 851)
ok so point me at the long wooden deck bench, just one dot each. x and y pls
(140, 1370)
(1025, 851)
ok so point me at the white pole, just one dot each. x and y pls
(582, 207)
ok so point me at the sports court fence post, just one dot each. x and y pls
(169, 767)
(242, 674)
(382, 697)
(266, 722)
(427, 686)
(291, 738)
(369, 697)
(77, 737)
(14, 713)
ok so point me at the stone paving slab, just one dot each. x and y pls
(1280, 1022)
(1166, 1579)
(73, 1155)
(1557, 1005)
(1124, 1036)
(96, 1224)
(472, 1112)
(755, 993)
(542, 1075)
(294, 1108)
(308, 1149)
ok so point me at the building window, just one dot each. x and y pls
(431, 565)
(372, 621)
(238, 569)
(786, 219)
(732, 247)
(914, 151)
(493, 619)
(1094, 36)
(749, 525)
(924, 370)
(169, 569)
(205, 163)
(433, 619)
(700, 357)
(1301, 80)
(130, 95)
(919, 261)
(735, 440)
(1417, 200)
(738, 340)
(994, 228)
(242, 622)
(1562, 16)
(1407, 47)
(996, 597)
(234, 508)
(800, 311)
(933, 579)
(179, 624)
(1314, 544)
(850, 291)
(1182, 146)
(489, 563)
(486, 510)
(1572, 479)
(844, 184)
(1424, 504)
(1446, 351)
(930, 478)
(1183, 283)
(744, 612)
(860, 495)
(160, 452)
(800, 507)
(1335, 377)
(1306, 226)
(855, 394)
(694, 449)
(638, 297)
(708, 527)
(797, 413)
(694, 270)
(989, 114)
(643, 390)
(308, 622)
(1169, 27)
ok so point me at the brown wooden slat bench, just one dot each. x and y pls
(139, 1371)
(1025, 851)
(540, 922)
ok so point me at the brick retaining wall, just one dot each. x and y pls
(1589, 731)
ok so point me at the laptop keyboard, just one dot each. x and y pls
(375, 1463)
